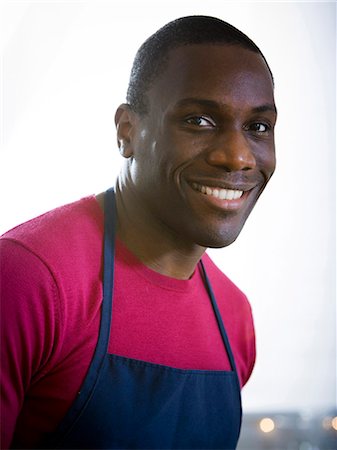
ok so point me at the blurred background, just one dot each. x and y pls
(64, 70)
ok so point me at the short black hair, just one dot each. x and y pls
(153, 54)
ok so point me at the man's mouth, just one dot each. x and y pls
(220, 193)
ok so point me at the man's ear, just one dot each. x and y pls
(125, 121)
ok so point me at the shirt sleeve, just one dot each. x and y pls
(249, 336)
(29, 327)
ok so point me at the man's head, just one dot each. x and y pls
(198, 130)
(152, 57)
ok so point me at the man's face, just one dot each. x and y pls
(204, 152)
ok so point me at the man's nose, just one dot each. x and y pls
(232, 152)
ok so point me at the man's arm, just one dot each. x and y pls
(28, 299)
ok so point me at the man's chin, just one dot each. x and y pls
(219, 240)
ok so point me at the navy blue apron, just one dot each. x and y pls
(130, 404)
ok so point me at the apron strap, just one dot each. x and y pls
(108, 265)
(219, 319)
(108, 278)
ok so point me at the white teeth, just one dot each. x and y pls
(229, 195)
(222, 194)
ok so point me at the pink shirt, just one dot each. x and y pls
(51, 291)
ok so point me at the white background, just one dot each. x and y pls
(64, 70)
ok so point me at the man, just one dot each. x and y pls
(162, 366)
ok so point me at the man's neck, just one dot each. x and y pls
(156, 246)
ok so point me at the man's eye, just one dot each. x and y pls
(260, 128)
(200, 121)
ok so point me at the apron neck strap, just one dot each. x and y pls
(218, 318)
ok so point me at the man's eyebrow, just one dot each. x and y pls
(268, 107)
(197, 101)
(265, 108)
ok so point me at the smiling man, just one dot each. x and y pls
(160, 361)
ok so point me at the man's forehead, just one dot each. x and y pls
(211, 104)
(213, 73)
(211, 63)
(222, 54)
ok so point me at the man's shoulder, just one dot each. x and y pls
(68, 216)
(61, 229)
(220, 280)
(237, 316)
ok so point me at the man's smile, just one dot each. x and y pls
(222, 194)
(230, 199)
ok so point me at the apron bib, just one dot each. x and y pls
(131, 404)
